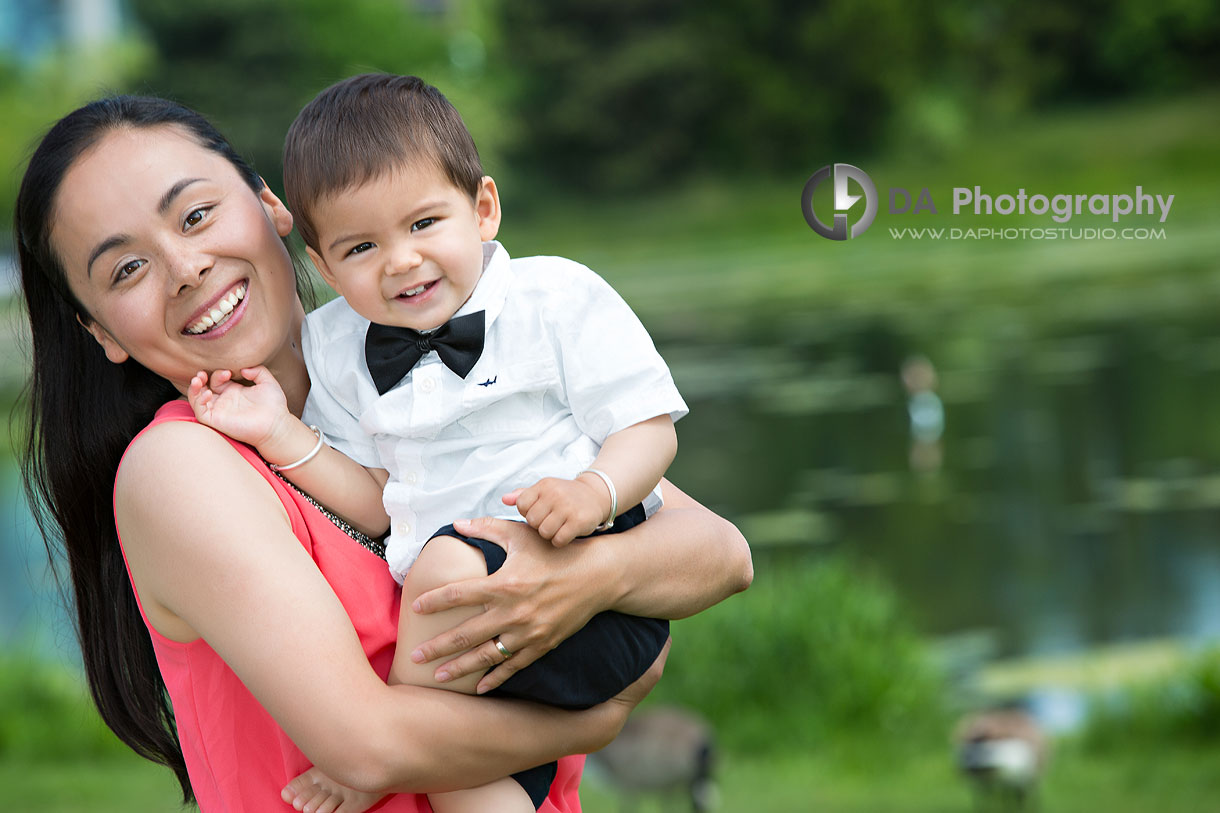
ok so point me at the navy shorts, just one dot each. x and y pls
(597, 662)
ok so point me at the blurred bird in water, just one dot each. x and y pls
(1003, 751)
(661, 750)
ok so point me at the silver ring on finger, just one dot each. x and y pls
(505, 651)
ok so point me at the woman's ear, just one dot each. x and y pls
(276, 210)
(114, 352)
(487, 208)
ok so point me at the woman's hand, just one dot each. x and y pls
(540, 597)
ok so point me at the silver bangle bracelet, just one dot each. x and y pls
(310, 455)
(609, 523)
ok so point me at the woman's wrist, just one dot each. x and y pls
(606, 565)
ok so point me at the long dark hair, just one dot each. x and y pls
(83, 412)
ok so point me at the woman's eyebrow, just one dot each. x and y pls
(167, 200)
(102, 248)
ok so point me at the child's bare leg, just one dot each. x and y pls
(315, 792)
(502, 796)
(443, 560)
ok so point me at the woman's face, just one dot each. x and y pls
(178, 262)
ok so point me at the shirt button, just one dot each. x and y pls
(410, 478)
(404, 528)
(427, 385)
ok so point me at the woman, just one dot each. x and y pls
(134, 218)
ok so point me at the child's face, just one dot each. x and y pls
(405, 248)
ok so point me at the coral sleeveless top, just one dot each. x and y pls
(237, 756)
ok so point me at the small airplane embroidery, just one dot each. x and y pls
(489, 382)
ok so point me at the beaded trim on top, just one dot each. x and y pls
(374, 545)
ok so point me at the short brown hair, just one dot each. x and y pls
(366, 125)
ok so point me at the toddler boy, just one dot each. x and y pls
(476, 381)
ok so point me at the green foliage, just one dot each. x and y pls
(47, 714)
(250, 65)
(630, 95)
(810, 653)
(33, 97)
(1183, 709)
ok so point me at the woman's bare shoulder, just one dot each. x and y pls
(186, 504)
(183, 466)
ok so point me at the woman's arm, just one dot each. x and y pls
(682, 560)
(213, 555)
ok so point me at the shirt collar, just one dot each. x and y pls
(492, 288)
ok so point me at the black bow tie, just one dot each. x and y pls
(391, 352)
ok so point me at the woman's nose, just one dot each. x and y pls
(187, 268)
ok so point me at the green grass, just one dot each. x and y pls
(1132, 780)
(114, 785)
(1129, 780)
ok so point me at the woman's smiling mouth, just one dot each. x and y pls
(220, 311)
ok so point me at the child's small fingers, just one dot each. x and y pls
(511, 497)
(526, 498)
(219, 377)
(550, 526)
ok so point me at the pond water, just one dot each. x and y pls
(1076, 498)
(1075, 502)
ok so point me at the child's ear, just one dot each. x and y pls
(487, 208)
(323, 269)
(114, 352)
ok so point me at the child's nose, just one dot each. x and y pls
(403, 259)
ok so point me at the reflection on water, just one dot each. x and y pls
(1075, 502)
(33, 620)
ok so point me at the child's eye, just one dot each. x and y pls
(422, 224)
(195, 217)
(127, 269)
(360, 248)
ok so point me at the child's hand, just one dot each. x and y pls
(561, 510)
(250, 414)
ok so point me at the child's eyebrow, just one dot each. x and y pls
(414, 214)
(343, 238)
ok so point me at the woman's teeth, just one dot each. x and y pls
(220, 311)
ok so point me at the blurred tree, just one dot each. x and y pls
(35, 94)
(610, 93)
(250, 65)
(630, 94)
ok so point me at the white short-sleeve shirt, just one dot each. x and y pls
(565, 364)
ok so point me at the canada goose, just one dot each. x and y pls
(661, 749)
(1003, 751)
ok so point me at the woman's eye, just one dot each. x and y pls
(422, 224)
(127, 269)
(360, 248)
(196, 216)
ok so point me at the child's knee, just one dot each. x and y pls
(443, 560)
